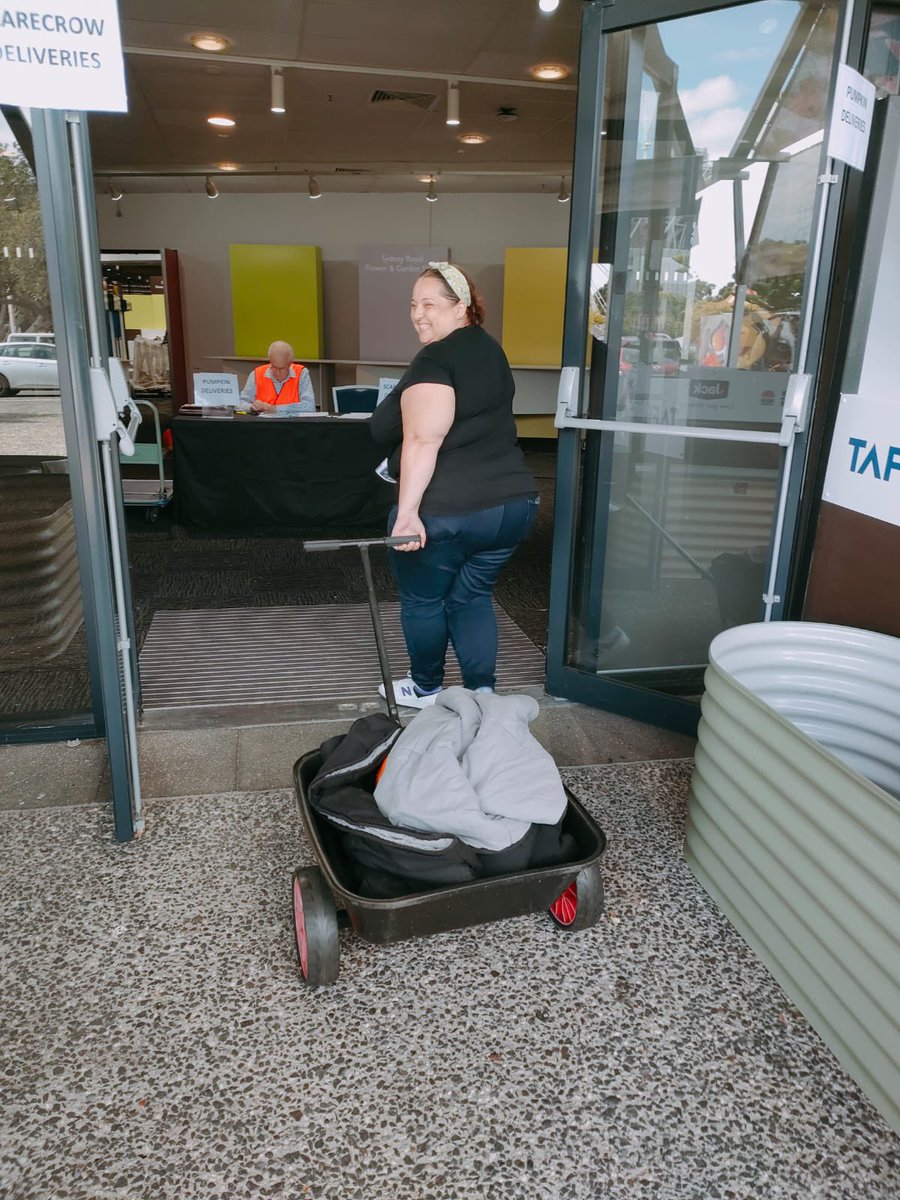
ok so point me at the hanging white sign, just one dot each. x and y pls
(66, 54)
(851, 118)
(864, 464)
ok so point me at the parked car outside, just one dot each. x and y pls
(662, 354)
(783, 334)
(658, 358)
(27, 366)
(32, 337)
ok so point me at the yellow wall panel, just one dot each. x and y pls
(276, 295)
(534, 290)
(535, 425)
(146, 312)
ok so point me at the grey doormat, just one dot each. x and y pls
(213, 657)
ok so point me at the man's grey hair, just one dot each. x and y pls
(281, 348)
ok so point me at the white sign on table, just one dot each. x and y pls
(851, 118)
(54, 57)
(864, 464)
(385, 387)
(213, 389)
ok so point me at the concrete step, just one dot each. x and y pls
(206, 752)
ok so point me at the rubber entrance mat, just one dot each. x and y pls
(213, 657)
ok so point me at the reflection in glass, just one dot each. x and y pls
(713, 127)
(883, 50)
(43, 663)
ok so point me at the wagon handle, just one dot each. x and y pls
(343, 543)
(363, 546)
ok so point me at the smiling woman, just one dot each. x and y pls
(465, 496)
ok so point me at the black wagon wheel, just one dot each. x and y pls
(580, 905)
(315, 928)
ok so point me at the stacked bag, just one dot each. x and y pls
(464, 792)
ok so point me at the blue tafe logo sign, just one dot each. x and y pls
(867, 456)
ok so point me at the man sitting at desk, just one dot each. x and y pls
(280, 381)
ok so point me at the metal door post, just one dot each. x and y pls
(64, 265)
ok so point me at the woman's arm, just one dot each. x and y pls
(428, 411)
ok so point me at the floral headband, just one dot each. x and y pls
(455, 280)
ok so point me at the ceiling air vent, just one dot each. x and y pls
(417, 99)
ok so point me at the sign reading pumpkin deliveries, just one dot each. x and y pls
(65, 55)
(851, 118)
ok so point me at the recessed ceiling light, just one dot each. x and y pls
(473, 139)
(225, 122)
(213, 42)
(229, 166)
(550, 71)
(424, 178)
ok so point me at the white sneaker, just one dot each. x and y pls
(405, 694)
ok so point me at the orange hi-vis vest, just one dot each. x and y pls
(290, 389)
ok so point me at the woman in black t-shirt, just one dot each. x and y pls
(463, 486)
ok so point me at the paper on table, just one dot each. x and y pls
(289, 416)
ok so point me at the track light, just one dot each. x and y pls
(431, 194)
(211, 190)
(314, 190)
(563, 194)
(452, 103)
(114, 192)
(277, 104)
(548, 6)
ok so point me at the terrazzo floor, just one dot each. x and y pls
(160, 1046)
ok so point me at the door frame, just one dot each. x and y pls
(65, 191)
(599, 19)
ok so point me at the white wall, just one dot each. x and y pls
(879, 367)
(477, 228)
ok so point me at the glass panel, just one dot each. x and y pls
(678, 551)
(708, 185)
(43, 660)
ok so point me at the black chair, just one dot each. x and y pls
(354, 399)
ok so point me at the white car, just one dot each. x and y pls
(32, 337)
(27, 365)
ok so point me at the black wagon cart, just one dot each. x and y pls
(572, 892)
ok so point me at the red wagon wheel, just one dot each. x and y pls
(580, 905)
(315, 928)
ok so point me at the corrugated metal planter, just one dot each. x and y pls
(794, 826)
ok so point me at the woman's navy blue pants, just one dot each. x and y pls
(446, 590)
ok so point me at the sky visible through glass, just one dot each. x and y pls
(723, 59)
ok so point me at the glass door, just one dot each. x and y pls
(700, 193)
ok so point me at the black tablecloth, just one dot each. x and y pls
(256, 471)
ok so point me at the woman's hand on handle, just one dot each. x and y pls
(409, 523)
